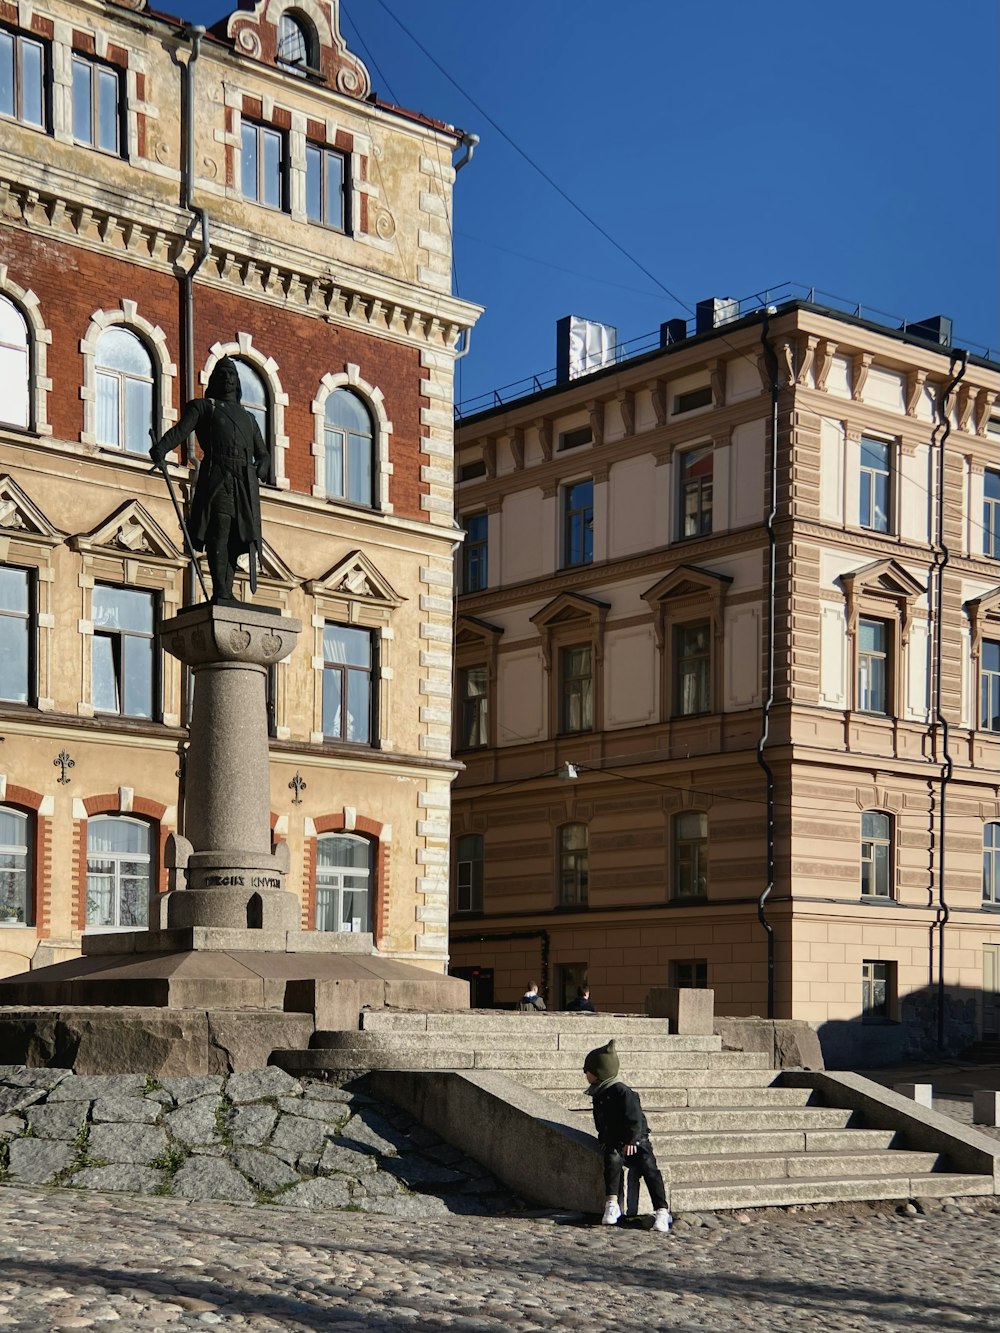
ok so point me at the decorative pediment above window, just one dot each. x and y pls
(982, 611)
(355, 579)
(683, 592)
(320, 53)
(881, 588)
(567, 612)
(471, 632)
(20, 516)
(130, 531)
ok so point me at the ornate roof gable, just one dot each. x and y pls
(20, 515)
(254, 30)
(129, 531)
(357, 579)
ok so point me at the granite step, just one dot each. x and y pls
(782, 1192)
(658, 1099)
(590, 1028)
(786, 1141)
(649, 1083)
(530, 1037)
(731, 1119)
(772, 1166)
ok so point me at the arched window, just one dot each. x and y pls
(124, 391)
(296, 44)
(15, 366)
(118, 872)
(348, 438)
(343, 882)
(991, 864)
(15, 868)
(253, 395)
(876, 855)
(574, 865)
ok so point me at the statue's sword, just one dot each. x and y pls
(162, 467)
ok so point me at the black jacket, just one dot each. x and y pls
(231, 443)
(618, 1115)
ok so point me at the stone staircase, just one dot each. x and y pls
(728, 1130)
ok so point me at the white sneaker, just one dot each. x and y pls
(662, 1221)
(612, 1213)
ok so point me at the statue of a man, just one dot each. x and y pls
(225, 511)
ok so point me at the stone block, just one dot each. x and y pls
(921, 1093)
(335, 1004)
(126, 1179)
(265, 1170)
(138, 1145)
(212, 1178)
(436, 992)
(36, 1161)
(240, 1042)
(985, 1107)
(195, 1123)
(253, 1085)
(688, 1012)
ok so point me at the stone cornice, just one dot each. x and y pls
(142, 231)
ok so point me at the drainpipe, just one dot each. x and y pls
(469, 143)
(194, 34)
(772, 370)
(941, 556)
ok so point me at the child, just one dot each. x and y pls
(624, 1134)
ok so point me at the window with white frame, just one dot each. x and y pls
(15, 868)
(690, 854)
(326, 187)
(578, 523)
(876, 855)
(344, 864)
(263, 165)
(22, 78)
(576, 688)
(16, 634)
(692, 669)
(989, 685)
(875, 485)
(991, 864)
(97, 105)
(469, 873)
(125, 397)
(15, 366)
(878, 990)
(473, 707)
(348, 444)
(296, 44)
(254, 397)
(349, 676)
(689, 973)
(118, 872)
(991, 513)
(695, 485)
(874, 665)
(574, 865)
(123, 656)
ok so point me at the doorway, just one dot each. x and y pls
(480, 981)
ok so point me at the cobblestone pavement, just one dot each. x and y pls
(78, 1259)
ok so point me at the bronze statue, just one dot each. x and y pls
(225, 512)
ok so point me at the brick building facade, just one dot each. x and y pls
(167, 197)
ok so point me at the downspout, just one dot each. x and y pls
(194, 33)
(772, 369)
(941, 556)
(469, 143)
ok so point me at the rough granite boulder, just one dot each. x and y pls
(788, 1043)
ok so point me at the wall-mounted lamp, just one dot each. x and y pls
(569, 772)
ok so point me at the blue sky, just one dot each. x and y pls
(728, 147)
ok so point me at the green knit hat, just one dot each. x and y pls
(602, 1062)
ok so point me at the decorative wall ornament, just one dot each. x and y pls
(63, 761)
(298, 785)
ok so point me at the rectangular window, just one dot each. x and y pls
(873, 667)
(15, 868)
(96, 105)
(469, 873)
(696, 468)
(16, 638)
(991, 864)
(692, 669)
(475, 571)
(470, 471)
(326, 187)
(575, 439)
(263, 165)
(473, 694)
(989, 686)
(576, 689)
(689, 973)
(878, 990)
(123, 655)
(22, 79)
(875, 490)
(691, 855)
(876, 855)
(574, 865)
(578, 523)
(348, 676)
(991, 514)
(693, 399)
